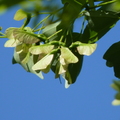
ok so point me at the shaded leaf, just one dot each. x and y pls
(102, 22)
(117, 96)
(116, 85)
(112, 56)
(50, 30)
(75, 68)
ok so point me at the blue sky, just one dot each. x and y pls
(23, 96)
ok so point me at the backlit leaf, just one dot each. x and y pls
(41, 49)
(116, 102)
(43, 63)
(27, 66)
(86, 49)
(62, 69)
(20, 14)
(9, 32)
(11, 43)
(25, 37)
(68, 55)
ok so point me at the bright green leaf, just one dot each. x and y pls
(43, 63)
(116, 102)
(41, 49)
(86, 49)
(9, 32)
(68, 56)
(20, 14)
(28, 65)
(62, 69)
(25, 37)
(11, 43)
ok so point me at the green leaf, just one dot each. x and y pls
(27, 66)
(25, 37)
(11, 43)
(114, 7)
(41, 49)
(71, 11)
(67, 78)
(43, 63)
(117, 96)
(50, 30)
(75, 68)
(99, 23)
(114, 86)
(86, 49)
(23, 48)
(20, 14)
(116, 102)
(68, 56)
(62, 69)
(9, 32)
(112, 56)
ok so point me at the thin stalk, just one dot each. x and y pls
(55, 34)
(78, 2)
(3, 37)
(39, 29)
(41, 22)
(50, 14)
(2, 34)
(103, 3)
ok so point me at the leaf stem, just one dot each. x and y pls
(3, 37)
(50, 14)
(78, 2)
(41, 22)
(103, 3)
(54, 34)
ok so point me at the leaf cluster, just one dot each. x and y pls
(52, 43)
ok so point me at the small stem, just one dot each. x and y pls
(101, 4)
(3, 36)
(78, 2)
(50, 14)
(41, 21)
(54, 34)
(39, 29)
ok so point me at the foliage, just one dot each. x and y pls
(52, 43)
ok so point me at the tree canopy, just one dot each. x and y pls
(52, 44)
